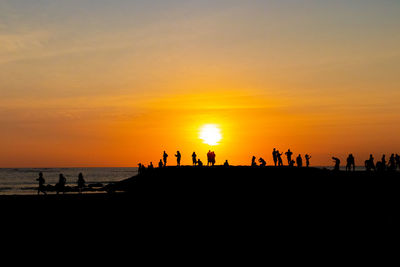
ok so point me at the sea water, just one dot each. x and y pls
(21, 181)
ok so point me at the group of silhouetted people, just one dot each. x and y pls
(60, 186)
(392, 164)
(369, 164)
(277, 158)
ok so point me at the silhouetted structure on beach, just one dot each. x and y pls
(307, 157)
(262, 162)
(60, 186)
(178, 158)
(337, 164)
(165, 156)
(289, 156)
(350, 163)
(41, 182)
(299, 161)
(81, 183)
(194, 158)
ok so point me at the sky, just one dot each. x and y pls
(114, 83)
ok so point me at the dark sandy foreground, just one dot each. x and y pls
(229, 201)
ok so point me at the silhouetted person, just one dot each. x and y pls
(369, 163)
(140, 169)
(199, 163)
(392, 163)
(212, 158)
(160, 164)
(383, 162)
(289, 156)
(397, 158)
(307, 157)
(194, 158)
(165, 156)
(253, 161)
(226, 164)
(350, 163)
(81, 183)
(337, 164)
(150, 167)
(291, 163)
(41, 182)
(60, 186)
(178, 158)
(209, 157)
(262, 162)
(279, 155)
(274, 156)
(299, 161)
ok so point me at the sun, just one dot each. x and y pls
(210, 134)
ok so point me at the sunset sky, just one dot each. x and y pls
(114, 83)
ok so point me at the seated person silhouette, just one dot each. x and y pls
(226, 164)
(160, 164)
(291, 163)
(262, 162)
(199, 163)
(150, 167)
(337, 164)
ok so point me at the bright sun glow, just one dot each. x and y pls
(210, 134)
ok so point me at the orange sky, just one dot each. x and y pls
(116, 84)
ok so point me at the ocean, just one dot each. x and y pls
(22, 181)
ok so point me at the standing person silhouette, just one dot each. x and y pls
(80, 182)
(194, 158)
(274, 156)
(41, 181)
(289, 156)
(350, 163)
(369, 163)
(280, 162)
(307, 157)
(165, 156)
(392, 163)
(178, 158)
(213, 158)
(337, 164)
(160, 164)
(299, 161)
(253, 161)
(61, 184)
(383, 161)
